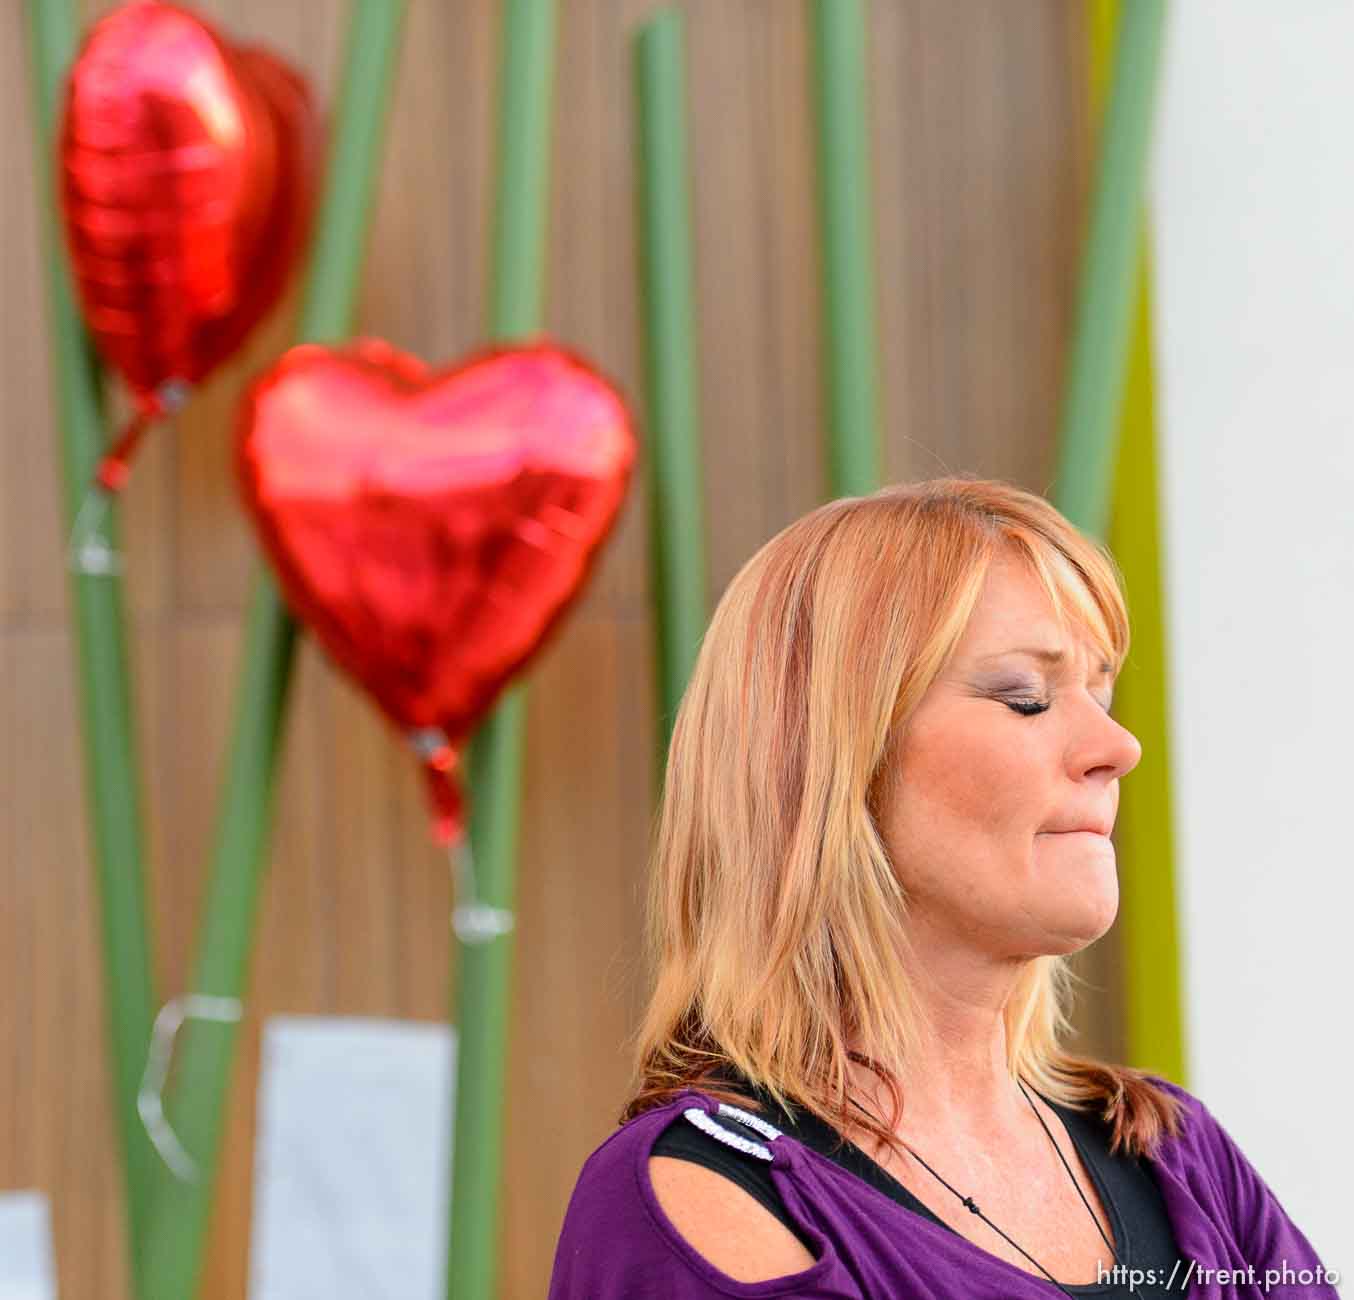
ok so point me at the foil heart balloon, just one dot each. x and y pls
(187, 174)
(432, 527)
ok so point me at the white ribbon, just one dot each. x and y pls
(150, 1098)
(473, 921)
(88, 551)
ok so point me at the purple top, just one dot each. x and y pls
(618, 1244)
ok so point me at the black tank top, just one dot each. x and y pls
(1142, 1232)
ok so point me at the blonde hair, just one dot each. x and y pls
(776, 923)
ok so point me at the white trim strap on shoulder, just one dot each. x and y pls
(707, 1124)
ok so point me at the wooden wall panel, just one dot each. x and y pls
(980, 165)
(24, 509)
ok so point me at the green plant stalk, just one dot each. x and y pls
(1088, 425)
(846, 238)
(1149, 926)
(1145, 835)
(195, 1105)
(484, 969)
(112, 787)
(676, 519)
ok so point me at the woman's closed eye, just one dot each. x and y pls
(1029, 706)
(1026, 706)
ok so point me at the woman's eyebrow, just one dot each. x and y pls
(1040, 652)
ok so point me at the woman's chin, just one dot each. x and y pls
(1080, 889)
(1077, 916)
(1082, 920)
(1075, 939)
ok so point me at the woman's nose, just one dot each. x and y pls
(1106, 742)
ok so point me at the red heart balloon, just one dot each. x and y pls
(188, 168)
(432, 527)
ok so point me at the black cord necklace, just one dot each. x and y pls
(972, 1206)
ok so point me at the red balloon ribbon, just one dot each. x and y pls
(431, 527)
(115, 466)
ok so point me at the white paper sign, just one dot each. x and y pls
(26, 1268)
(352, 1160)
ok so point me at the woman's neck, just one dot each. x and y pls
(957, 1081)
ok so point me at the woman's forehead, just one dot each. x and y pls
(1019, 621)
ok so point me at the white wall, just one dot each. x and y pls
(1253, 229)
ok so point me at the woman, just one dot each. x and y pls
(885, 826)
